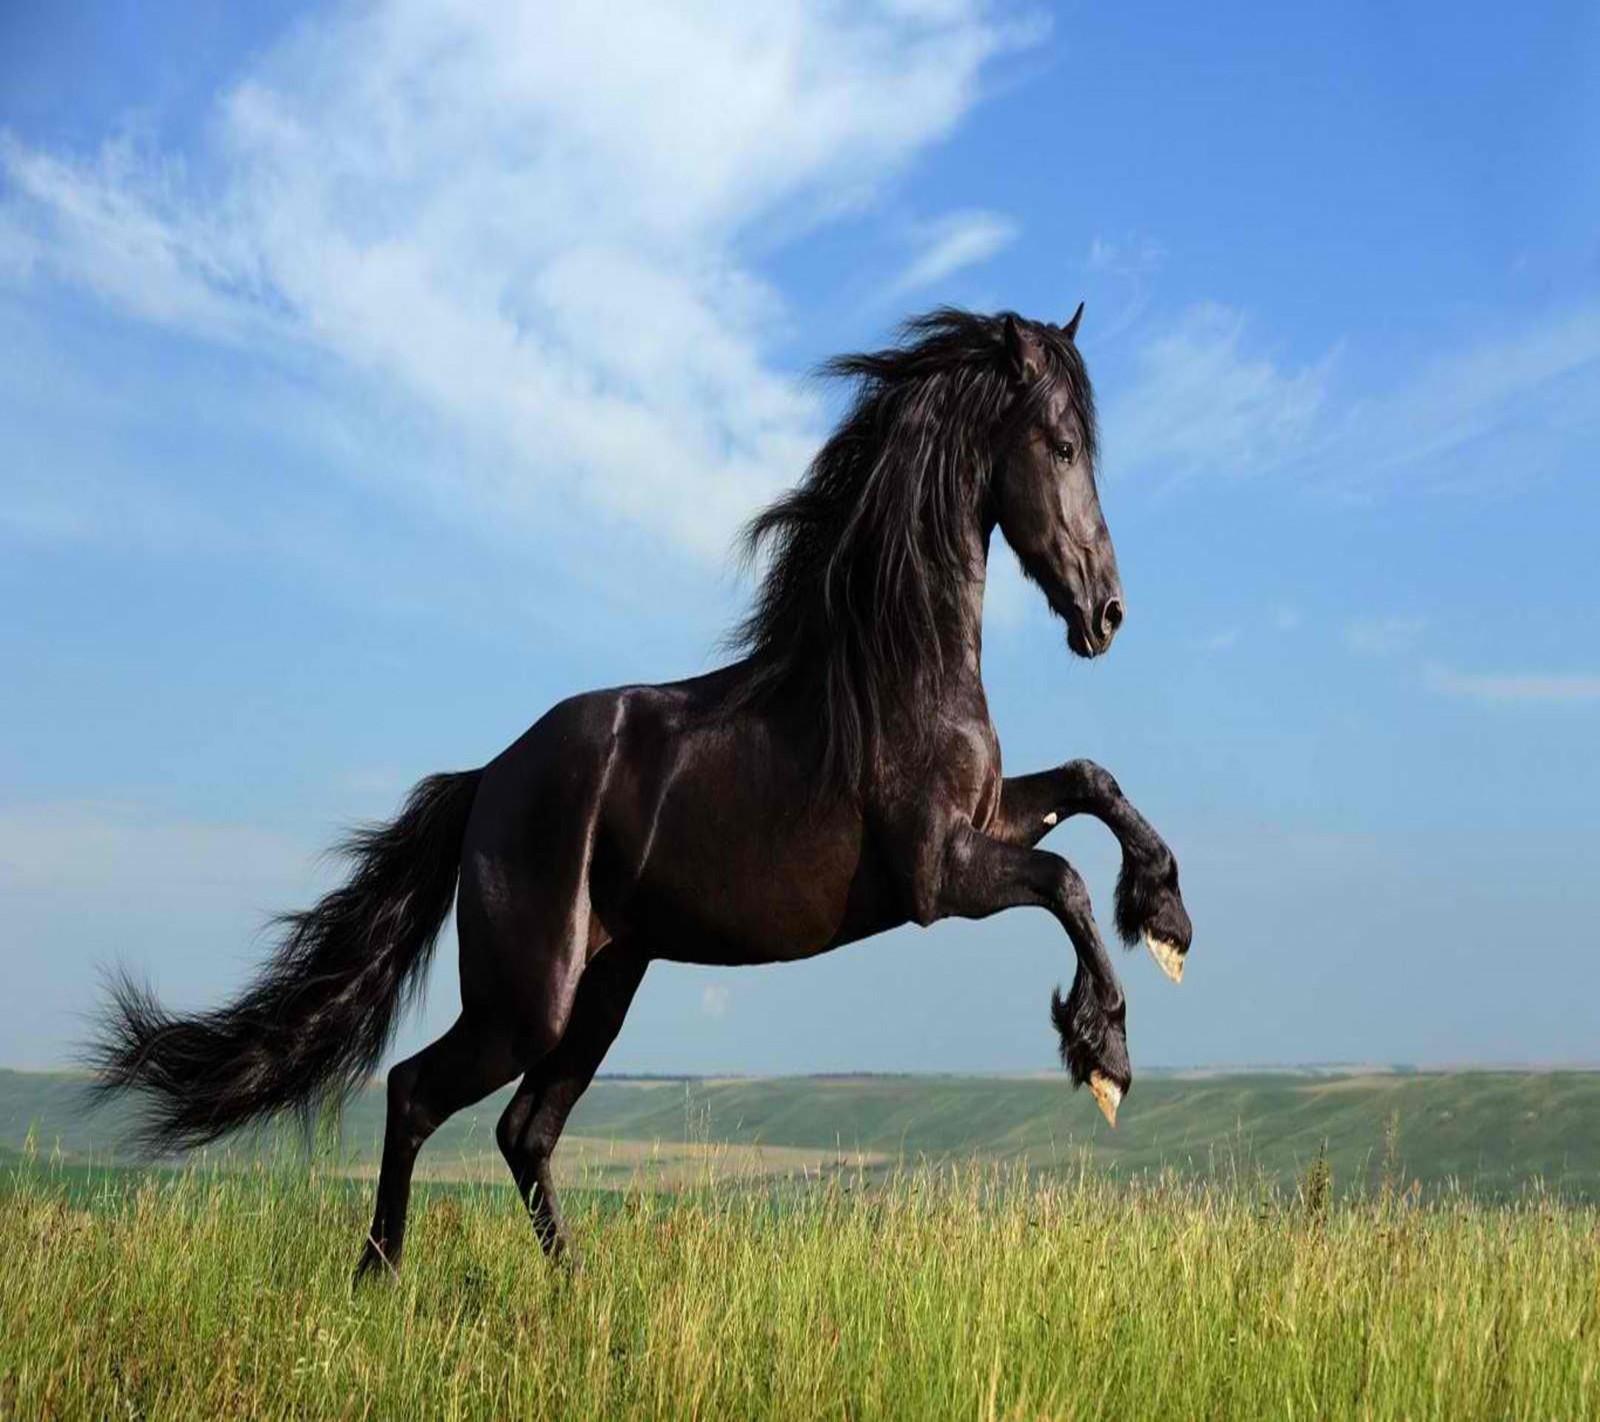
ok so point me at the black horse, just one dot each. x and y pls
(840, 779)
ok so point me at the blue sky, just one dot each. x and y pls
(373, 376)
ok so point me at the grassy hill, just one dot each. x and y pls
(1493, 1133)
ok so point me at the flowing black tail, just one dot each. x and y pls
(317, 1019)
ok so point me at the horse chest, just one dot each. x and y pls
(973, 758)
(986, 790)
(987, 806)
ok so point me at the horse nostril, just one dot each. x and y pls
(1110, 616)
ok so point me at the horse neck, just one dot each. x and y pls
(961, 635)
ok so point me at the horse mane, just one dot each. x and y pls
(868, 553)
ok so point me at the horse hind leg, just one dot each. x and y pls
(520, 971)
(533, 1121)
(525, 925)
(469, 1061)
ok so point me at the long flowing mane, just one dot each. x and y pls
(868, 554)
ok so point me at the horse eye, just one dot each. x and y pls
(1064, 451)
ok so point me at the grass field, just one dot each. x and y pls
(960, 1293)
(862, 1247)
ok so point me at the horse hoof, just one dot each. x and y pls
(373, 1269)
(1107, 1096)
(1169, 957)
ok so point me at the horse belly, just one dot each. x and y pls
(720, 892)
(721, 860)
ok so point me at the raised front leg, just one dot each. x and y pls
(972, 875)
(1148, 903)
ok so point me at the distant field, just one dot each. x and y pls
(1492, 1134)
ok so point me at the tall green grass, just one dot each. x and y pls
(967, 1293)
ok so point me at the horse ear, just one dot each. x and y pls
(1023, 352)
(1071, 328)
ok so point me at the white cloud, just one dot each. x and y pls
(20, 250)
(1007, 593)
(1203, 402)
(1222, 641)
(960, 239)
(1520, 687)
(1383, 636)
(715, 1000)
(528, 221)
(1133, 258)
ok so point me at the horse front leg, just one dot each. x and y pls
(1149, 903)
(974, 875)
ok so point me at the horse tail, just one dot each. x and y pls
(316, 1020)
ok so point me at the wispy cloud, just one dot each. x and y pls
(1207, 400)
(1516, 687)
(1121, 283)
(1383, 636)
(529, 223)
(1135, 257)
(130, 854)
(1496, 413)
(958, 240)
(1209, 397)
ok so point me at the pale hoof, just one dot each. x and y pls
(1107, 1096)
(1169, 957)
